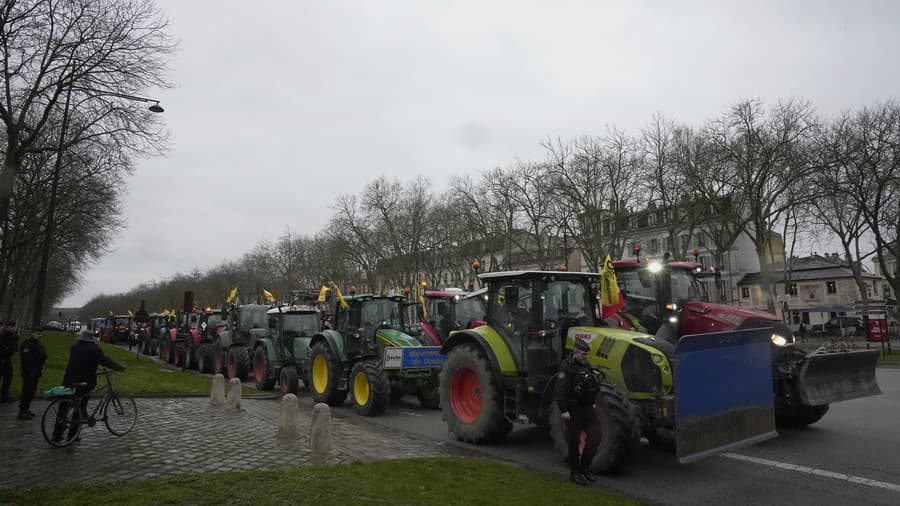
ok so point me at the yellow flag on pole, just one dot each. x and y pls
(268, 295)
(322, 293)
(337, 291)
(231, 296)
(424, 311)
(610, 297)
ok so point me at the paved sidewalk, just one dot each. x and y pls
(186, 435)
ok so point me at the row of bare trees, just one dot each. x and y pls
(72, 125)
(754, 170)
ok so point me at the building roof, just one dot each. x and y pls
(815, 267)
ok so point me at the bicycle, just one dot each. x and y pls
(64, 418)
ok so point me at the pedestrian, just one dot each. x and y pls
(32, 357)
(802, 332)
(8, 343)
(576, 388)
(81, 372)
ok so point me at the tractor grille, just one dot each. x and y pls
(639, 371)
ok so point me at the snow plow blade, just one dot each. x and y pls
(838, 376)
(723, 392)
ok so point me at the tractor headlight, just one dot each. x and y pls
(657, 359)
(779, 340)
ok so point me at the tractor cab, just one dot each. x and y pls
(656, 293)
(533, 311)
(441, 315)
(367, 314)
(246, 318)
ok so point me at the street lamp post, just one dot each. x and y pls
(476, 265)
(41, 285)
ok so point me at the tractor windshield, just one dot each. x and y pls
(567, 302)
(471, 309)
(123, 322)
(685, 287)
(214, 320)
(378, 313)
(254, 318)
(301, 324)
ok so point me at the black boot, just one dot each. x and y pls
(588, 475)
(577, 478)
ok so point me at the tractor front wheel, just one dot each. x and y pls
(205, 358)
(619, 430)
(218, 357)
(369, 387)
(288, 380)
(238, 362)
(262, 370)
(324, 375)
(178, 358)
(798, 416)
(470, 397)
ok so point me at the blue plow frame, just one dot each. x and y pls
(724, 397)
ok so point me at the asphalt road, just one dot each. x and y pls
(852, 456)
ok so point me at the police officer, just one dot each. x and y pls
(8, 342)
(32, 356)
(576, 388)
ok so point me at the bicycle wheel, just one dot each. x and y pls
(120, 413)
(61, 422)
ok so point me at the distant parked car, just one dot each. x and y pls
(849, 324)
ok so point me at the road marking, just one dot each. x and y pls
(815, 472)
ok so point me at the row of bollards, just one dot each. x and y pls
(289, 423)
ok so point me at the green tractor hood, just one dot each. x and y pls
(391, 337)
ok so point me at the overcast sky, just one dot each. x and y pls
(280, 106)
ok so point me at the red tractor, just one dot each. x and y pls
(668, 299)
(449, 310)
(119, 329)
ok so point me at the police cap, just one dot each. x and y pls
(580, 345)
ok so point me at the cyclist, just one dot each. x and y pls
(81, 370)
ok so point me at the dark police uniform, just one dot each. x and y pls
(576, 388)
(32, 356)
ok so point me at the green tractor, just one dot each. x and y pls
(371, 355)
(231, 347)
(284, 353)
(712, 392)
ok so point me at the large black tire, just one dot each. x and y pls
(288, 380)
(205, 358)
(427, 392)
(190, 357)
(619, 430)
(797, 416)
(324, 375)
(262, 370)
(218, 358)
(369, 388)
(178, 358)
(470, 397)
(238, 362)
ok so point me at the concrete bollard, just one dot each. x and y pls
(320, 429)
(234, 394)
(289, 424)
(217, 394)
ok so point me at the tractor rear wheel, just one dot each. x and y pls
(262, 370)
(369, 387)
(205, 358)
(619, 430)
(238, 362)
(324, 375)
(470, 397)
(288, 380)
(218, 357)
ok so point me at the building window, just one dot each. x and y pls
(745, 292)
(792, 289)
(668, 243)
(875, 287)
(651, 220)
(654, 246)
(701, 239)
(831, 287)
(795, 317)
(887, 291)
(632, 223)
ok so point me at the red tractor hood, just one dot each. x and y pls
(703, 317)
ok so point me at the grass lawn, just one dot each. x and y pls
(884, 359)
(415, 481)
(143, 375)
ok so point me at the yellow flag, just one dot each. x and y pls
(231, 296)
(322, 294)
(110, 312)
(268, 295)
(130, 313)
(337, 291)
(424, 311)
(610, 297)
